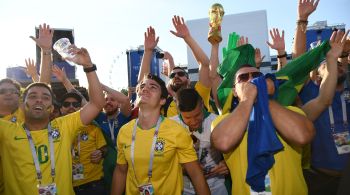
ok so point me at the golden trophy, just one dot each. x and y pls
(216, 12)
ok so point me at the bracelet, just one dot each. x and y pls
(302, 22)
(90, 69)
(46, 52)
(282, 56)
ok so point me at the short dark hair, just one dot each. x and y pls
(163, 89)
(187, 99)
(181, 68)
(38, 84)
(11, 81)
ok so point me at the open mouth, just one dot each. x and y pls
(38, 108)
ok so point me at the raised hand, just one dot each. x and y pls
(60, 74)
(306, 7)
(44, 41)
(258, 58)
(30, 68)
(242, 41)
(180, 26)
(80, 56)
(151, 40)
(337, 42)
(277, 40)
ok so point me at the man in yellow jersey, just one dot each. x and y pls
(87, 152)
(152, 149)
(36, 154)
(9, 103)
(293, 130)
(178, 76)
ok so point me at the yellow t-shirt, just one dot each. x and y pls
(173, 148)
(91, 139)
(17, 116)
(202, 90)
(286, 175)
(17, 161)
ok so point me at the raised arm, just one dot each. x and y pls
(278, 45)
(228, 133)
(60, 74)
(329, 75)
(123, 100)
(305, 9)
(31, 70)
(292, 126)
(44, 41)
(202, 59)
(97, 100)
(213, 74)
(150, 43)
(170, 64)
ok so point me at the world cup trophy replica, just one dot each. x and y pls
(216, 13)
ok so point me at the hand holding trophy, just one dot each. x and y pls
(216, 12)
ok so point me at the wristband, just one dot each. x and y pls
(282, 56)
(90, 69)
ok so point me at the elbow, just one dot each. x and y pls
(307, 136)
(221, 143)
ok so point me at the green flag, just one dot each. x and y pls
(297, 72)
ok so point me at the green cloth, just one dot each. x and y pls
(234, 58)
(297, 72)
(294, 73)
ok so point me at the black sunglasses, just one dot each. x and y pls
(74, 104)
(180, 74)
(10, 91)
(245, 76)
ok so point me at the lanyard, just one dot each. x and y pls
(345, 117)
(132, 152)
(35, 157)
(78, 146)
(111, 129)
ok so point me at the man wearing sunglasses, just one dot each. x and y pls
(88, 150)
(293, 130)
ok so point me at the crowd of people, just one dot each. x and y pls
(232, 132)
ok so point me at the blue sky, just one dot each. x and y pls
(107, 28)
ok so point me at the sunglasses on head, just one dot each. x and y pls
(245, 76)
(10, 91)
(180, 74)
(74, 104)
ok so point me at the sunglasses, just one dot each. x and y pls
(180, 74)
(10, 91)
(245, 76)
(74, 104)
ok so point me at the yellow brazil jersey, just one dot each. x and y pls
(91, 139)
(202, 90)
(17, 161)
(17, 116)
(173, 147)
(286, 175)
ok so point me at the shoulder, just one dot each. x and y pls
(172, 126)
(218, 119)
(127, 127)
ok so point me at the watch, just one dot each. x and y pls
(90, 69)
